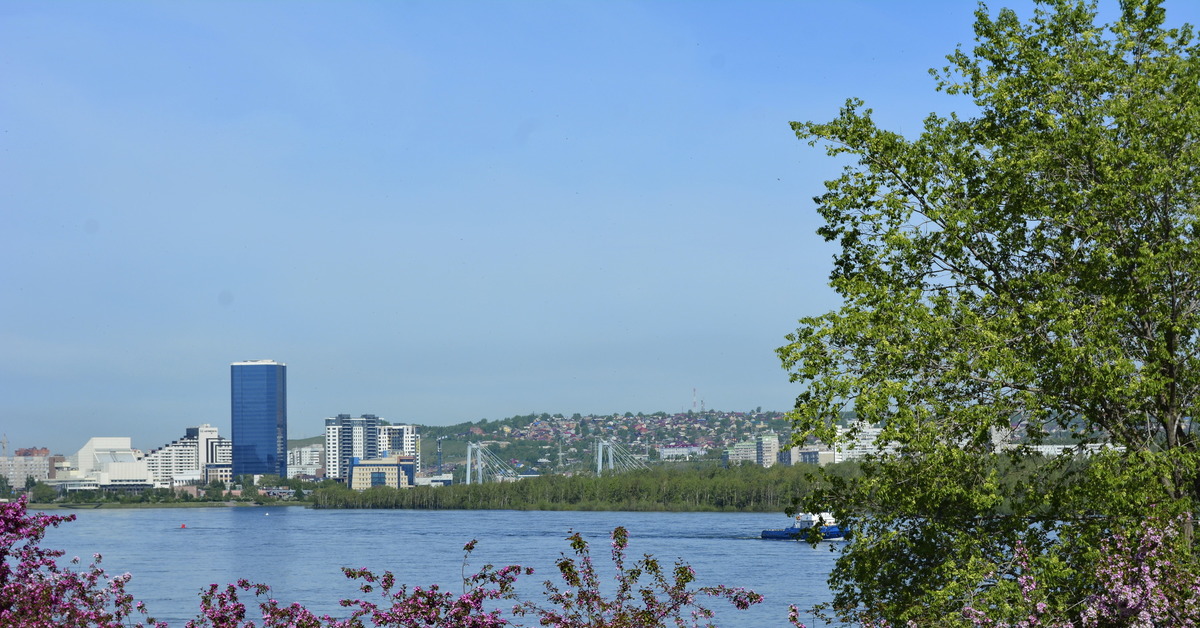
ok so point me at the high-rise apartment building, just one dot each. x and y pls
(259, 417)
(367, 437)
(349, 437)
(766, 449)
(400, 440)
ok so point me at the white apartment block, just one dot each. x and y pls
(745, 451)
(763, 451)
(766, 449)
(306, 461)
(183, 461)
(1073, 450)
(672, 453)
(349, 437)
(400, 440)
(863, 444)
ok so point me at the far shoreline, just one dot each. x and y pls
(117, 505)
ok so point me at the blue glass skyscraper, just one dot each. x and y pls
(259, 417)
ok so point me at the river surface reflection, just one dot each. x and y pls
(299, 552)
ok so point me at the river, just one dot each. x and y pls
(299, 552)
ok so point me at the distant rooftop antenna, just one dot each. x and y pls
(4, 443)
(693, 397)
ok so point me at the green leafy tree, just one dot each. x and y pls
(271, 480)
(5, 486)
(42, 493)
(249, 490)
(215, 490)
(1028, 271)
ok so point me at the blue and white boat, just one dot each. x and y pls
(830, 530)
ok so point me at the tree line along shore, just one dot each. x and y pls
(683, 487)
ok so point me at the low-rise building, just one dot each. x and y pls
(443, 479)
(807, 455)
(745, 451)
(107, 463)
(393, 471)
(673, 453)
(1073, 450)
(218, 473)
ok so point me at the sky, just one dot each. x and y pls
(434, 212)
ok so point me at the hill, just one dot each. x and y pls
(536, 440)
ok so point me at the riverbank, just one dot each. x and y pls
(136, 505)
(677, 488)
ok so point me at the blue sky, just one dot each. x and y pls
(431, 211)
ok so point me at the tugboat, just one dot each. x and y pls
(830, 530)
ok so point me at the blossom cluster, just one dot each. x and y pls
(1141, 582)
(35, 592)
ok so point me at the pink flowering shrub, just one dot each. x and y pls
(35, 592)
(1032, 602)
(1143, 579)
(580, 604)
(427, 607)
(1144, 582)
(661, 600)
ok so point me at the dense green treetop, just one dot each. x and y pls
(1029, 267)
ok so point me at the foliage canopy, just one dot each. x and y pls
(1028, 269)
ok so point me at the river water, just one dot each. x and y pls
(299, 552)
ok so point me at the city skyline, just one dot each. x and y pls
(434, 212)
